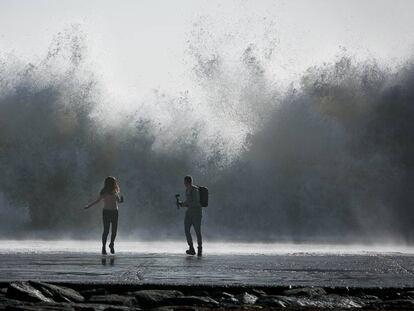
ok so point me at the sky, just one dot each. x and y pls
(140, 45)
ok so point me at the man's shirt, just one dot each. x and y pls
(192, 199)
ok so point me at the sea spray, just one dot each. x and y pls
(328, 160)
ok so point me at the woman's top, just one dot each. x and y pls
(111, 201)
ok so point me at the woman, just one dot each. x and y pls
(110, 194)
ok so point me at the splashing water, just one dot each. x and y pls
(329, 160)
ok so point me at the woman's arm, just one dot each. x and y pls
(119, 198)
(94, 202)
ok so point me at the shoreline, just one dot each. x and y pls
(213, 247)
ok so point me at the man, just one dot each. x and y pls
(193, 215)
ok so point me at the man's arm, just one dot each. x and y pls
(186, 203)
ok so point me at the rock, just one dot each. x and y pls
(339, 302)
(231, 301)
(258, 292)
(40, 307)
(202, 293)
(116, 300)
(85, 307)
(270, 301)
(369, 297)
(120, 308)
(247, 299)
(305, 291)
(4, 302)
(405, 304)
(56, 306)
(408, 294)
(3, 290)
(98, 307)
(93, 292)
(219, 295)
(318, 302)
(58, 293)
(154, 298)
(42, 292)
(176, 308)
(226, 298)
(25, 291)
(191, 301)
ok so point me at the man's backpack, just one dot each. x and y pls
(203, 196)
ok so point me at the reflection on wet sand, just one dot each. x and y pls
(111, 260)
(275, 264)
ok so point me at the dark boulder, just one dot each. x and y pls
(305, 291)
(318, 302)
(120, 308)
(177, 308)
(93, 292)
(258, 292)
(26, 292)
(84, 307)
(40, 307)
(225, 298)
(155, 298)
(408, 294)
(58, 293)
(191, 301)
(202, 293)
(396, 304)
(247, 299)
(219, 295)
(116, 300)
(5, 302)
(271, 301)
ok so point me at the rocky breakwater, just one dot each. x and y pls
(34, 296)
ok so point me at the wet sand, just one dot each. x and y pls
(223, 264)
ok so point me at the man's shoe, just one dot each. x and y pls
(103, 250)
(190, 251)
(111, 247)
(199, 251)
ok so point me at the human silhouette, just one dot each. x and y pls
(193, 215)
(110, 195)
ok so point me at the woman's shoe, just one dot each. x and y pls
(103, 250)
(199, 251)
(111, 247)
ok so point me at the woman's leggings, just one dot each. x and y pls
(109, 217)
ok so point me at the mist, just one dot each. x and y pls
(327, 159)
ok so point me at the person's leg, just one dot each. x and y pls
(197, 229)
(106, 222)
(114, 222)
(187, 226)
(114, 228)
